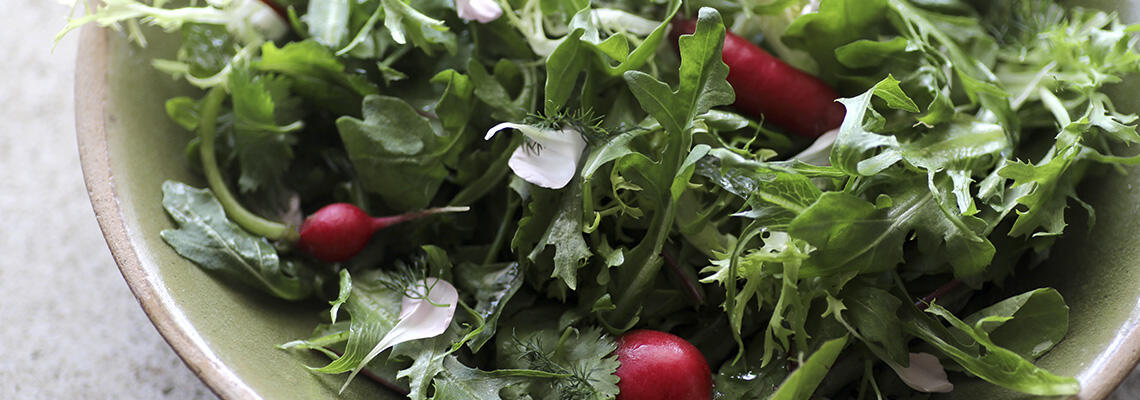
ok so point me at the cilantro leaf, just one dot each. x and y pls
(460, 382)
(584, 360)
(316, 75)
(264, 148)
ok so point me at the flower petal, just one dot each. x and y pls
(421, 317)
(506, 125)
(483, 11)
(819, 153)
(924, 374)
(553, 158)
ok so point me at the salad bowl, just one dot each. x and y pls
(229, 337)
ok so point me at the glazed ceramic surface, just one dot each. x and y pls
(128, 147)
(228, 335)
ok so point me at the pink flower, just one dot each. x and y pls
(483, 11)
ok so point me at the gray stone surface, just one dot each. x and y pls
(69, 327)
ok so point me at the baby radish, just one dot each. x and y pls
(658, 365)
(338, 231)
(765, 85)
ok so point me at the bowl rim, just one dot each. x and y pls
(92, 93)
(1105, 373)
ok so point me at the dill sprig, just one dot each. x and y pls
(409, 281)
(1020, 22)
(574, 384)
(583, 121)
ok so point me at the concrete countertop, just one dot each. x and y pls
(69, 325)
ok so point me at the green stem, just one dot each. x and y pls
(501, 234)
(629, 300)
(207, 131)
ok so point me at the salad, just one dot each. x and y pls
(645, 199)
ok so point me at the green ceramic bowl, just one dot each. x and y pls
(227, 336)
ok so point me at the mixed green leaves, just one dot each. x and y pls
(968, 128)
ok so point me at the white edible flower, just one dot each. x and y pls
(924, 374)
(483, 11)
(819, 153)
(550, 159)
(425, 311)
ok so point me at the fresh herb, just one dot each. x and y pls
(644, 191)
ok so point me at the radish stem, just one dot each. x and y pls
(940, 291)
(207, 131)
(384, 222)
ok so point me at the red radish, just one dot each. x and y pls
(767, 86)
(338, 231)
(657, 365)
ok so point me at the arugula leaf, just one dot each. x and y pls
(374, 309)
(702, 81)
(395, 152)
(701, 87)
(852, 148)
(583, 50)
(1052, 185)
(457, 101)
(206, 237)
(837, 23)
(776, 195)
(490, 90)
(995, 364)
(562, 69)
(565, 233)
(612, 148)
(855, 235)
(493, 286)
(1038, 320)
(873, 319)
(427, 356)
